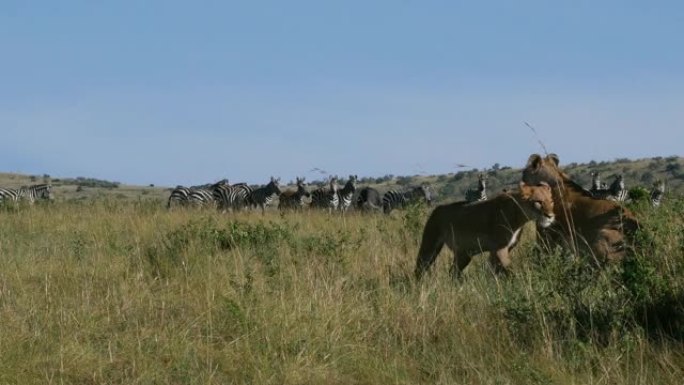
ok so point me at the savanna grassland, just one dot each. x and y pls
(110, 291)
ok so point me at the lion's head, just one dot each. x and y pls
(539, 202)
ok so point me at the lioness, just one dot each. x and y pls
(493, 225)
(582, 221)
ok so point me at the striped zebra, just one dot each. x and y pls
(180, 195)
(326, 197)
(27, 193)
(233, 197)
(204, 195)
(195, 195)
(346, 194)
(369, 199)
(293, 200)
(398, 199)
(657, 193)
(263, 196)
(595, 182)
(479, 194)
(615, 192)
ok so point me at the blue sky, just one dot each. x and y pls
(171, 92)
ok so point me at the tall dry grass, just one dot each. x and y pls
(111, 292)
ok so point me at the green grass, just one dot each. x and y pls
(110, 291)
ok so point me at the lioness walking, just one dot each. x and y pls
(494, 225)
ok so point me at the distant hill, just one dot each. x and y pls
(448, 187)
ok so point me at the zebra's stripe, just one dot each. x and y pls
(397, 199)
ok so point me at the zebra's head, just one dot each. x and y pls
(423, 192)
(42, 191)
(351, 183)
(618, 184)
(333, 184)
(659, 186)
(595, 180)
(274, 185)
(301, 188)
(482, 182)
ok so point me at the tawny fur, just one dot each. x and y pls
(582, 222)
(493, 226)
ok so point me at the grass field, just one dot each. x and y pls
(110, 291)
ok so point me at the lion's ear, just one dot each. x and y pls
(534, 161)
(554, 158)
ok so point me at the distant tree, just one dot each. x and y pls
(673, 167)
(458, 176)
(592, 163)
(496, 166)
(647, 177)
(33, 178)
(448, 190)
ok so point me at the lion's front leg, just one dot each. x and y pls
(500, 260)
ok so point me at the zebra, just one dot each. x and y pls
(346, 194)
(206, 194)
(180, 195)
(369, 199)
(657, 193)
(596, 182)
(293, 199)
(234, 196)
(397, 199)
(201, 197)
(326, 198)
(480, 194)
(615, 192)
(28, 193)
(263, 196)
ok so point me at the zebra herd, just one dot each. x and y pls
(225, 196)
(26, 193)
(617, 191)
(332, 197)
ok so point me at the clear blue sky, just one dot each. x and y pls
(172, 92)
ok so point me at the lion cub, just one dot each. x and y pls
(493, 225)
